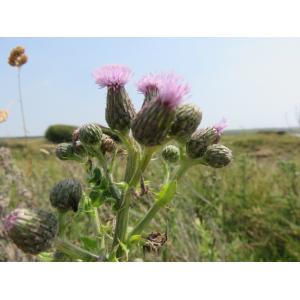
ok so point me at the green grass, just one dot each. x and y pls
(249, 211)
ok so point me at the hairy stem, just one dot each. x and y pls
(73, 251)
(123, 213)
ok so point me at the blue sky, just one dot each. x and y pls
(252, 82)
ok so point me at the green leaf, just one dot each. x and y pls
(89, 244)
(167, 193)
(97, 198)
(135, 238)
(96, 177)
(125, 249)
(45, 256)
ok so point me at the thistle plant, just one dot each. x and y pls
(164, 128)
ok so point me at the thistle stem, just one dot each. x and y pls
(97, 225)
(138, 229)
(146, 219)
(61, 224)
(113, 189)
(132, 175)
(21, 103)
(73, 251)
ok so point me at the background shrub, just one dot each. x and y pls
(59, 133)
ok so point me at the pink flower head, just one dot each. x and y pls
(149, 82)
(10, 221)
(220, 126)
(172, 89)
(112, 75)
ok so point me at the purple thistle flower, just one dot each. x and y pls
(112, 75)
(220, 126)
(149, 82)
(172, 89)
(10, 221)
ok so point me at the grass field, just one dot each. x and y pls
(249, 211)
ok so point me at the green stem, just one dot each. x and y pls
(123, 213)
(73, 251)
(61, 223)
(146, 219)
(185, 165)
(21, 103)
(113, 189)
(97, 225)
(132, 176)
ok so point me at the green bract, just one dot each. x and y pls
(200, 140)
(66, 194)
(187, 119)
(171, 154)
(119, 109)
(218, 156)
(90, 134)
(152, 123)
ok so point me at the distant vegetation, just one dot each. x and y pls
(59, 133)
(249, 211)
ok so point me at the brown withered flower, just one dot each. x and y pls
(154, 241)
(17, 57)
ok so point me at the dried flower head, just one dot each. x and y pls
(3, 115)
(107, 144)
(17, 57)
(112, 75)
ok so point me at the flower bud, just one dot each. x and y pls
(66, 194)
(171, 154)
(200, 140)
(153, 122)
(107, 144)
(66, 151)
(33, 231)
(218, 156)
(90, 134)
(119, 109)
(188, 118)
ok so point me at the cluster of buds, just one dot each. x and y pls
(17, 57)
(204, 144)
